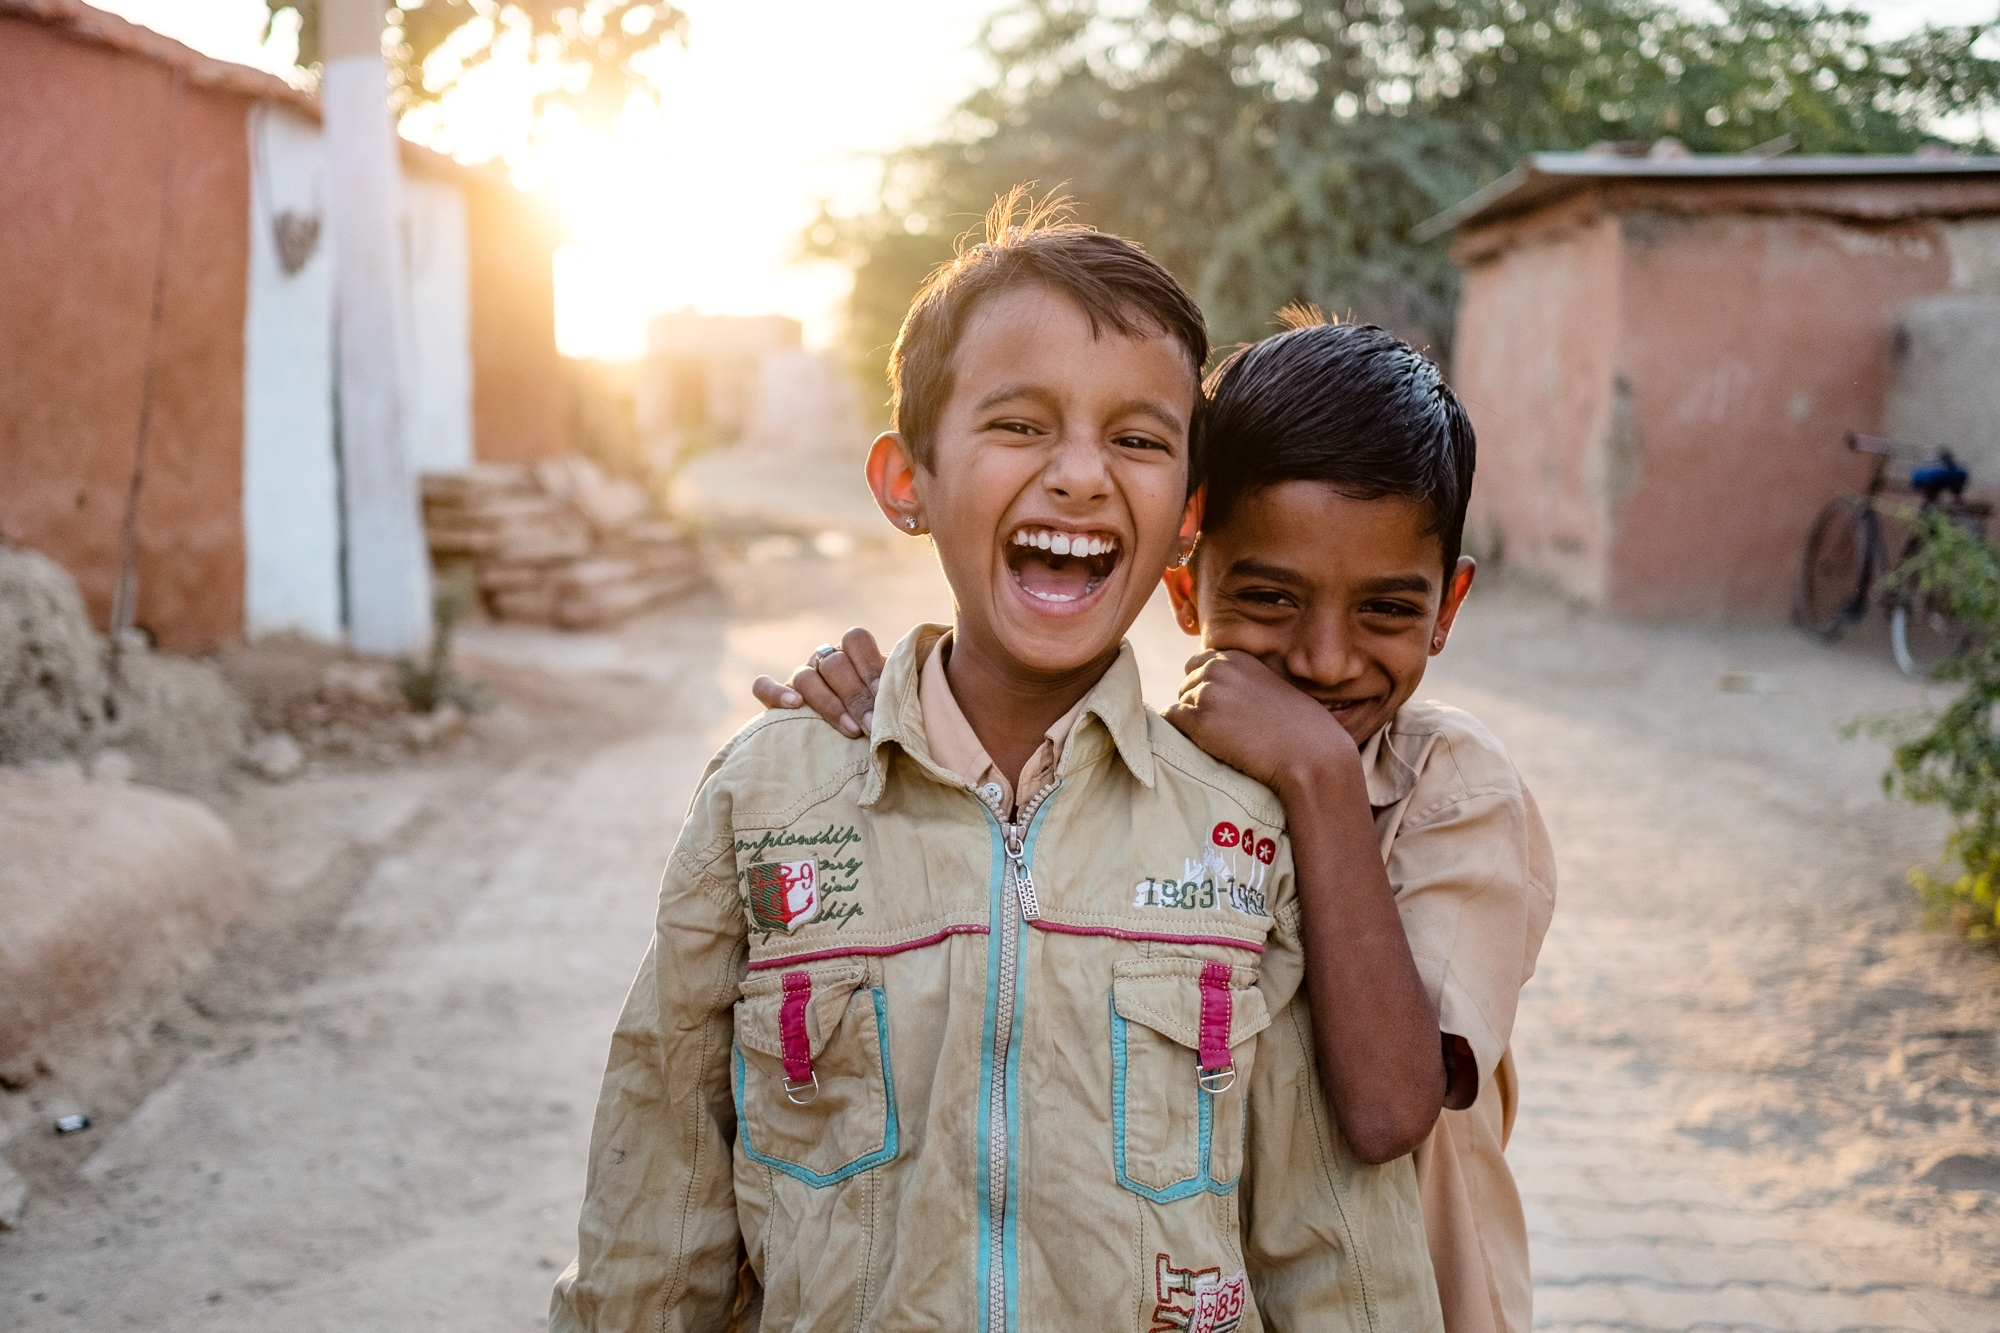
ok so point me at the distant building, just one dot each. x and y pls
(1662, 356)
(239, 521)
(728, 379)
(702, 371)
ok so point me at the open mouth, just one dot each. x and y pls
(1060, 568)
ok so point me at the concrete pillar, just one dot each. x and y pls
(388, 569)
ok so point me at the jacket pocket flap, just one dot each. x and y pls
(1165, 995)
(759, 1018)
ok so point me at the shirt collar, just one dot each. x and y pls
(1390, 775)
(1115, 701)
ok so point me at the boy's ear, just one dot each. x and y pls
(1191, 522)
(1180, 591)
(1180, 578)
(1454, 597)
(892, 477)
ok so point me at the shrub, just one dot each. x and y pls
(429, 684)
(1949, 755)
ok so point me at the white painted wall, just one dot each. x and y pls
(388, 569)
(438, 326)
(291, 517)
(291, 475)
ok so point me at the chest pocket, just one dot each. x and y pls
(1181, 1050)
(815, 1096)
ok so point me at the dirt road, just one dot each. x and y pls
(1743, 1061)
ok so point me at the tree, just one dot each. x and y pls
(598, 38)
(1270, 151)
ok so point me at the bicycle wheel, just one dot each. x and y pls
(1921, 635)
(1832, 591)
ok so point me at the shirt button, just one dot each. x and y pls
(991, 791)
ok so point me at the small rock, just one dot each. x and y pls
(111, 766)
(74, 1123)
(1964, 1172)
(13, 1198)
(426, 729)
(275, 756)
(360, 682)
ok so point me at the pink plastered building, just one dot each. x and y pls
(1663, 355)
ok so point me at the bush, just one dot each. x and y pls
(428, 685)
(1950, 756)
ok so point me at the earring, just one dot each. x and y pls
(910, 523)
(1185, 557)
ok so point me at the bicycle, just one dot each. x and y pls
(1847, 554)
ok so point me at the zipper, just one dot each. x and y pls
(1017, 885)
(1024, 879)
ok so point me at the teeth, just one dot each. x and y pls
(1064, 543)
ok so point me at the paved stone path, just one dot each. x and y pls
(1709, 1137)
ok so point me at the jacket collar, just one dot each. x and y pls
(1114, 701)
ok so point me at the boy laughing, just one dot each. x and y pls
(1337, 470)
(992, 1017)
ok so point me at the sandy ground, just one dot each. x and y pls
(1756, 1093)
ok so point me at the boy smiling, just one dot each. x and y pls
(924, 1039)
(1338, 466)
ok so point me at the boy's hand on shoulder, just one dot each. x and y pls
(1243, 713)
(837, 682)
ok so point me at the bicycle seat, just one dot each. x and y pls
(1935, 478)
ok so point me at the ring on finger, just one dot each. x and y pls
(825, 650)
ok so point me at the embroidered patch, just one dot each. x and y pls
(835, 876)
(783, 894)
(1197, 1300)
(1218, 1305)
(1229, 873)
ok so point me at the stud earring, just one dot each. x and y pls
(910, 523)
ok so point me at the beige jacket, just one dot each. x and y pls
(924, 1070)
(1475, 882)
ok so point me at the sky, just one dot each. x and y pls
(772, 107)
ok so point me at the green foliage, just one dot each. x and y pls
(597, 37)
(1270, 151)
(1950, 756)
(429, 684)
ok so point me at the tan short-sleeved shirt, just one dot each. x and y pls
(957, 748)
(1475, 882)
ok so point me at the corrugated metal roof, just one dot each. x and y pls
(1541, 178)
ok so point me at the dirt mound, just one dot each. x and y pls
(175, 718)
(110, 893)
(52, 682)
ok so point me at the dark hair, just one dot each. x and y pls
(1115, 281)
(1347, 404)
